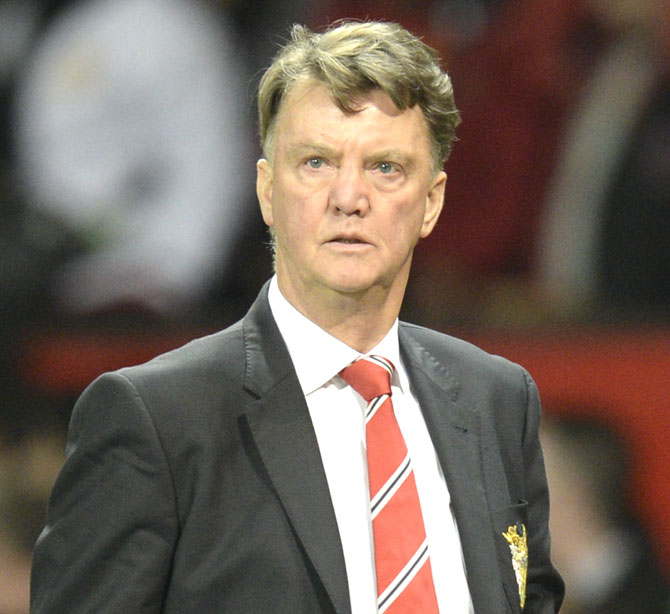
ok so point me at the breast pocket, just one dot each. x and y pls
(510, 526)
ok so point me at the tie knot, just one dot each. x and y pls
(370, 376)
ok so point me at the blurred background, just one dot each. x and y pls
(129, 224)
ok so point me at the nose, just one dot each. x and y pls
(349, 191)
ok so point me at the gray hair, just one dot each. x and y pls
(352, 58)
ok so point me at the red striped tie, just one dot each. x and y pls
(402, 563)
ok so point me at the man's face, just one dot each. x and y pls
(348, 194)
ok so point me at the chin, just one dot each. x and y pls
(348, 284)
(353, 284)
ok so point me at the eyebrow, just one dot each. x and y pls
(305, 147)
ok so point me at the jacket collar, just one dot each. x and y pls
(282, 430)
(455, 429)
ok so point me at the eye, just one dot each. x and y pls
(387, 174)
(315, 162)
(386, 168)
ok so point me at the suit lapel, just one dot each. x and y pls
(280, 425)
(455, 431)
(282, 431)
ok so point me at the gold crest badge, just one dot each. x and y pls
(518, 545)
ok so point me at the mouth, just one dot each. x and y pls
(347, 241)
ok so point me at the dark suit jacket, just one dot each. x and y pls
(194, 484)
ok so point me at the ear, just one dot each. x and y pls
(434, 202)
(264, 189)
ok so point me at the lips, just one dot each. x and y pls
(348, 240)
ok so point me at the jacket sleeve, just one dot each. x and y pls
(545, 588)
(111, 521)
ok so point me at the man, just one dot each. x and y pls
(231, 475)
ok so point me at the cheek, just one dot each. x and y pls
(409, 218)
(291, 215)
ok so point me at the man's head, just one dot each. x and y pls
(354, 58)
(356, 124)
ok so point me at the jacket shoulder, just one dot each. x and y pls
(457, 354)
(197, 379)
(216, 354)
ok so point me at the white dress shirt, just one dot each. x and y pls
(337, 413)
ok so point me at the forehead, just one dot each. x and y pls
(309, 111)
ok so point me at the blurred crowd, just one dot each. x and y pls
(603, 552)
(128, 208)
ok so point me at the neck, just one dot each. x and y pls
(361, 320)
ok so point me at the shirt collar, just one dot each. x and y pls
(306, 341)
